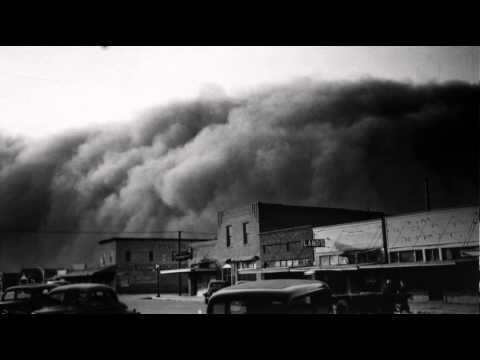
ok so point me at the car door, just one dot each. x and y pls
(23, 301)
(318, 302)
(102, 301)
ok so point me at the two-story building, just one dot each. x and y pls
(135, 261)
(246, 236)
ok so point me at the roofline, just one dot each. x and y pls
(293, 228)
(258, 203)
(123, 239)
(349, 223)
(432, 211)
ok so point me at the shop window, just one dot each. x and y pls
(289, 263)
(245, 232)
(432, 255)
(406, 256)
(324, 260)
(128, 256)
(228, 230)
(394, 257)
(361, 258)
(447, 254)
(334, 260)
(277, 263)
(295, 263)
(418, 255)
(450, 253)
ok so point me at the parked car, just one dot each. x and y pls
(24, 299)
(273, 297)
(214, 286)
(84, 298)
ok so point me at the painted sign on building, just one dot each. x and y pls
(363, 235)
(449, 227)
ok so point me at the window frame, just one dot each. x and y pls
(228, 235)
(245, 232)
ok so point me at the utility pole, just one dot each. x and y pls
(427, 195)
(384, 240)
(179, 264)
(157, 269)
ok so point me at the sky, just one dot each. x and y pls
(50, 90)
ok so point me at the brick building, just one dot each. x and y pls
(134, 260)
(241, 232)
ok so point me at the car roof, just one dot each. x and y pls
(82, 286)
(281, 287)
(30, 287)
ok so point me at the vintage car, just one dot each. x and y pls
(214, 286)
(24, 299)
(273, 297)
(84, 298)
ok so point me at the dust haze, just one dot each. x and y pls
(365, 144)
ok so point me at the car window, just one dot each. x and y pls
(23, 295)
(82, 298)
(256, 304)
(314, 303)
(238, 307)
(9, 295)
(219, 308)
(101, 297)
(58, 297)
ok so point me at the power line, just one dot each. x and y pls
(89, 232)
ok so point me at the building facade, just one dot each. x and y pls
(135, 261)
(242, 232)
(352, 243)
(435, 252)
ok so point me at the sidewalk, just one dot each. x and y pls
(439, 307)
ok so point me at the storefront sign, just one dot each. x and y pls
(347, 237)
(441, 227)
(314, 243)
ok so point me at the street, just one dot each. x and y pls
(166, 304)
(173, 304)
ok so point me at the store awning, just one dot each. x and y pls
(185, 271)
(243, 258)
(86, 273)
(471, 253)
(175, 271)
